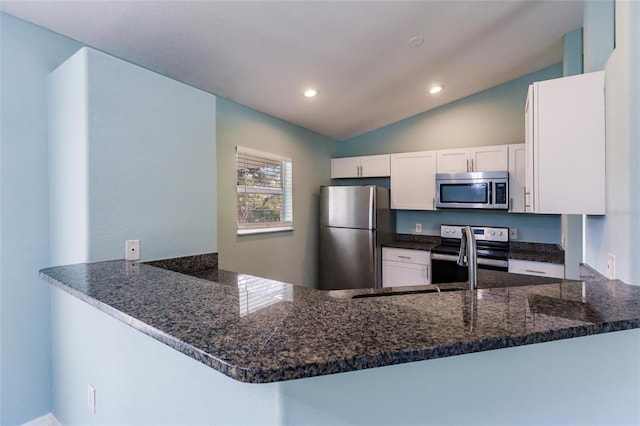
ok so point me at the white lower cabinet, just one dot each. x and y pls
(541, 269)
(405, 267)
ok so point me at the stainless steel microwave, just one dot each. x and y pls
(472, 190)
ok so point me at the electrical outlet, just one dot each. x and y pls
(513, 233)
(611, 267)
(91, 398)
(133, 268)
(132, 250)
(418, 228)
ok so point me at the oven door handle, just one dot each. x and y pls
(481, 260)
(493, 262)
(438, 256)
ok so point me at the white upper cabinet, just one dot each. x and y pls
(565, 152)
(356, 167)
(453, 160)
(345, 167)
(479, 159)
(375, 166)
(493, 158)
(517, 173)
(413, 180)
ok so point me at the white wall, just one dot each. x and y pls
(286, 256)
(27, 54)
(618, 232)
(133, 156)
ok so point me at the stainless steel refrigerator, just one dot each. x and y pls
(354, 223)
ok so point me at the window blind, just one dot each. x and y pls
(264, 191)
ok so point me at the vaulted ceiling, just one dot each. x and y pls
(364, 57)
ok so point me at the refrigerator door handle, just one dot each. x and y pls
(372, 209)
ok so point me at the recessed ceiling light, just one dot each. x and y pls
(416, 41)
(435, 89)
(310, 93)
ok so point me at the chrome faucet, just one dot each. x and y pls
(468, 256)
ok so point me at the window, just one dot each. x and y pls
(265, 196)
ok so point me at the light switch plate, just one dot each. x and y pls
(611, 267)
(418, 228)
(513, 233)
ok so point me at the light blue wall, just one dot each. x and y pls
(618, 232)
(140, 381)
(534, 228)
(149, 163)
(28, 53)
(572, 62)
(311, 154)
(492, 117)
(599, 33)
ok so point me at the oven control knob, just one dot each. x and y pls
(500, 233)
(493, 232)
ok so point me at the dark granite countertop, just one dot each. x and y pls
(536, 252)
(258, 330)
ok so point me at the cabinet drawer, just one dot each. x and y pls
(407, 255)
(542, 269)
(399, 274)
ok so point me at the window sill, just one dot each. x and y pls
(264, 230)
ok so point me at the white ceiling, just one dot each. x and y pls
(263, 54)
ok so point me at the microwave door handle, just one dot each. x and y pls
(491, 200)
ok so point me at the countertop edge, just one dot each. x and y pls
(253, 374)
(235, 372)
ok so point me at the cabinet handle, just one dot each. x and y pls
(533, 271)
(467, 164)
(510, 203)
(472, 165)
(434, 203)
(404, 257)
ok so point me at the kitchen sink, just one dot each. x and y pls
(404, 293)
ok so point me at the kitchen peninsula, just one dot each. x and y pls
(257, 330)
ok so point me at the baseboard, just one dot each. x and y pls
(46, 420)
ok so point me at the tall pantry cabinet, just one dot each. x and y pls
(565, 146)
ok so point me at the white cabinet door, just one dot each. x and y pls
(489, 158)
(374, 166)
(453, 160)
(517, 173)
(541, 269)
(567, 145)
(480, 159)
(413, 180)
(398, 274)
(345, 167)
(356, 167)
(404, 267)
(529, 199)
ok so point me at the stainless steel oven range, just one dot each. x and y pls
(493, 248)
